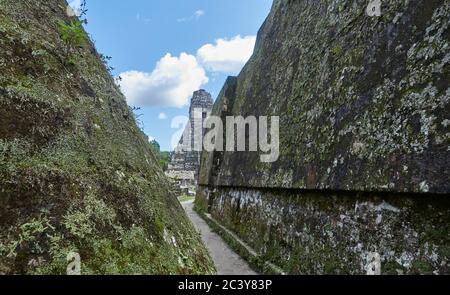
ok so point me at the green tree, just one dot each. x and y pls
(163, 157)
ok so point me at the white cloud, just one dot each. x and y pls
(199, 13)
(145, 20)
(196, 16)
(227, 55)
(170, 84)
(151, 138)
(162, 116)
(174, 79)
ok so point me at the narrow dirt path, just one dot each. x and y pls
(226, 260)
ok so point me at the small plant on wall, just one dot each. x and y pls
(72, 33)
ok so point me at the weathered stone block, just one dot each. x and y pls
(363, 178)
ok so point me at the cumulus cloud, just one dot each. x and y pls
(196, 16)
(170, 84)
(174, 79)
(162, 116)
(227, 55)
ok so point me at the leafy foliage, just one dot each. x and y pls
(72, 35)
(163, 157)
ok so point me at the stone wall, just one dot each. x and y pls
(307, 232)
(363, 174)
(76, 173)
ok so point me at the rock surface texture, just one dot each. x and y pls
(76, 174)
(363, 179)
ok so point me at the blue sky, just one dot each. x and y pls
(164, 49)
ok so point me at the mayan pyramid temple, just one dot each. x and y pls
(185, 160)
